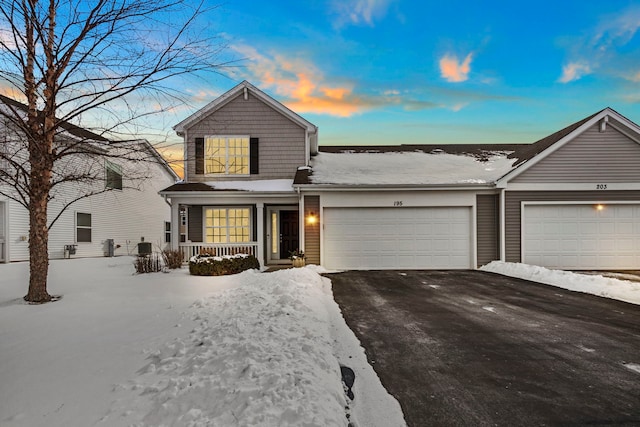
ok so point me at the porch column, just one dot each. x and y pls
(260, 232)
(175, 225)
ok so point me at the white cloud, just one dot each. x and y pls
(360, 12)
(574, 71)
(452, 70)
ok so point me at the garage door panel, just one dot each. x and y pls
(581, 236)
(397, 238)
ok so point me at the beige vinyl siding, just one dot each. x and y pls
(487, 228)
(592, 156)
(513, 201)
(281, 141)
(312, 232)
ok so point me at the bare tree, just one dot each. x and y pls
(102, 64)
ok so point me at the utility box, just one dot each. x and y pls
(110, 248)
(69, 250)
(144, 248)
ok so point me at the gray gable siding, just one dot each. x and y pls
(513, 213)
(281, 145)
(488, 228)
(592, 156)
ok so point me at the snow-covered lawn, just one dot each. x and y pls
(254, 349)
(623, 290)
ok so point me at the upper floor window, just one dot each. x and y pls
(113, 175)
(228, 155)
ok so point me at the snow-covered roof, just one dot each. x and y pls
(408, 168)
(268, 185)
(261, 185)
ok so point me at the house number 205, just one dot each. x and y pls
(397, 203)
(601, 186)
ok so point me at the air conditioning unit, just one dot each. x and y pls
(144, 248)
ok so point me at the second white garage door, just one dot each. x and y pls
(605, 237)
(390, 238)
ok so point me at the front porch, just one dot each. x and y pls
(189, 250)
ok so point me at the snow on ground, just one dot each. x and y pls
(407, 168)
(622, 290)
(254, 349)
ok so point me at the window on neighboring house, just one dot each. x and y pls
(83, 227)
(113, 175)
(167, 231)
(228, 155)
(227, 225)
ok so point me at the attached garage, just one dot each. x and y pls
(403, 237)
(581, 236)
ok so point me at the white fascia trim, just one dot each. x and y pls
(226, 194)
(531, 162)
(603, 187)
(626, 133)
(232, 93)
(384, 187)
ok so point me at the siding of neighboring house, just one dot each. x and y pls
(581, 160)
(281, 141)
(123, 215)
(513, 213)
(312, 231)
(487, 208)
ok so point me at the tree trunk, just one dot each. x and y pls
(38, 246)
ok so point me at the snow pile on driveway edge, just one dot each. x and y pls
(622, 290)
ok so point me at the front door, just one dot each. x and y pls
(282, 233)
(288, 233)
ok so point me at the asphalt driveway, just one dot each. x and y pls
(470, 348)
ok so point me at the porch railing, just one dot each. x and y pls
(217, 249)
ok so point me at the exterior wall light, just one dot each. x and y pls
(599, 207)
(312, 219)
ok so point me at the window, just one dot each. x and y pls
(228, 155)
(83, 227)
(167, 231)
(113, 175)
(227, 225)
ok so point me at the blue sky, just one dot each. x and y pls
(391, 72)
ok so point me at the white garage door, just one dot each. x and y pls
(389, 238)
(582, 236)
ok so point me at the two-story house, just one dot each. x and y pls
(256, 181)
(125, 209)
(242, 152)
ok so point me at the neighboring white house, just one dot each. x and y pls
(112, 222)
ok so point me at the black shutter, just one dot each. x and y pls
(200, 155)
(194, 226)
(253, 156)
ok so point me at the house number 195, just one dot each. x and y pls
(397, 203)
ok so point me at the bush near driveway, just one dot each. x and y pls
(206, 265)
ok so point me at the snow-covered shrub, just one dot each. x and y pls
(207, 265)
(151, 263)
(172, 258)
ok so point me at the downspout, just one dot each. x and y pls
(503, 250)
(301, 219)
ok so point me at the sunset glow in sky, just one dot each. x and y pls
(405, 71)
(408, 71)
